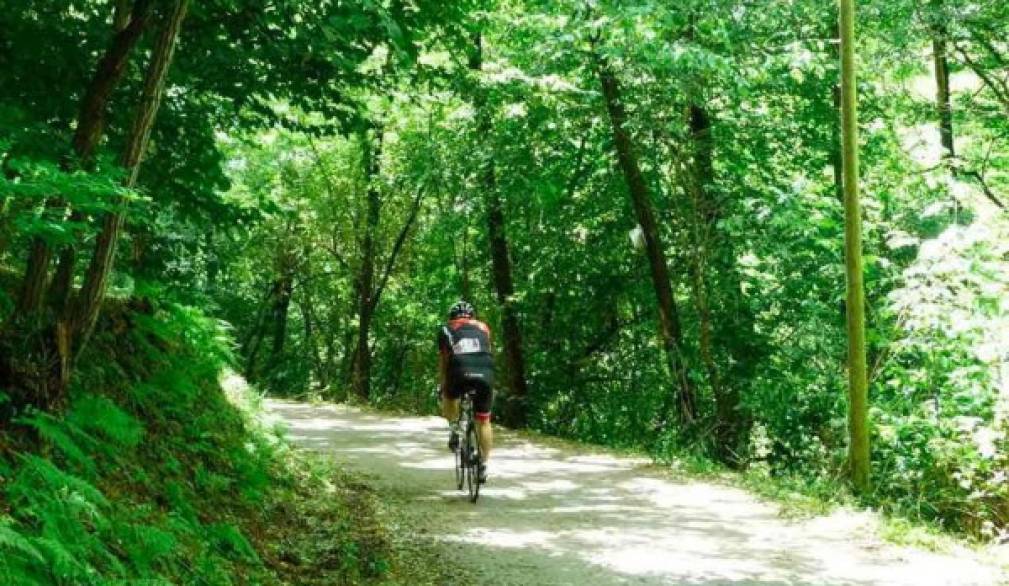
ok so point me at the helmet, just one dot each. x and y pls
(461, 309)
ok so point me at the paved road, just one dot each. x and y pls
(552, 515)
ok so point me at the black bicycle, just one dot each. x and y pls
(467, 452)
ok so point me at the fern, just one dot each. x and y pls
(13, 542)
(63, 435)
(145, 545)
(38, 479)
(230, 541)
(61, 560)
(102, 416)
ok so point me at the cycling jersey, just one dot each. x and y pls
(466, 343)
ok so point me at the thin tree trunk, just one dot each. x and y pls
(305, 304)
(63, 280)
(734, 331)
(515, 410)
(669, 321)
(943, 97)
(361, 378)
(505, 289)
(858, 427)
(88, 304)
(709, 212)
(281, 308)
(254, 339)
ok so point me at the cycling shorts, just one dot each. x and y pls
(483, 400)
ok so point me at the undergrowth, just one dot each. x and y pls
(151, 475)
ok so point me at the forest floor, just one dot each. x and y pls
(562, 513)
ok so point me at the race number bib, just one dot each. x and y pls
(466, 346)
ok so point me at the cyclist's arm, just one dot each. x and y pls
(442, 370)
(442, 365)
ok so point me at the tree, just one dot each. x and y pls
(515, 368)
(670, 331)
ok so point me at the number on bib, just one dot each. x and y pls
(466, 346)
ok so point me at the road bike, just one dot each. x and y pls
(467, 451)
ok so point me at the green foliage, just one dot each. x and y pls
(121, 489)
(256, 201)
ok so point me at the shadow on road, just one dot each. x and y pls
(548, 516)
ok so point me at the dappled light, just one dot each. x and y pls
(577, 516)
(763, 243)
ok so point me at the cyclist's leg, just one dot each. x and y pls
(450, 403)
(482, 413)
(486, 435)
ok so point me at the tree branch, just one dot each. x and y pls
(398, 246)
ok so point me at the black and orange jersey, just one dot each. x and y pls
(467, 345)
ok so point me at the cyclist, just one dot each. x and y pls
(465, 363)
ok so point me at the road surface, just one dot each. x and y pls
(572, 515)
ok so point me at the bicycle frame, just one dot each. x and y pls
(468, 452)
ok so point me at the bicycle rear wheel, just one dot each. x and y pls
(460, 465)
(472, 463)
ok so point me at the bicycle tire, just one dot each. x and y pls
(460, 466)
(472, 463)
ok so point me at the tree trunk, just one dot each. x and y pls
(129, 27)
(943, 97)
(33, 287)
(858, 427)
(361, 377)
(305, 304)
(91, 120)
(515, 413)
(669, 321)
(734, 330)
(515, 409)
(88, 304)
(253, 340)
(281, 308)
(63, 281)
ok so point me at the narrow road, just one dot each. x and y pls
(571, 516)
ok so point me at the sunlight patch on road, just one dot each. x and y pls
(591, 518)
(506, 539)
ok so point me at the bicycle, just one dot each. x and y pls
(467, 452)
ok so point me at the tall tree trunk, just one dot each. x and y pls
(734, 331)
(281, 308)
(361, 378)
(709, 212)
(943, 97)
(669, 321)
(129, 27)
(308, 320)
(515, 410)
(254, 338)
(858, 427)
(85, 310)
